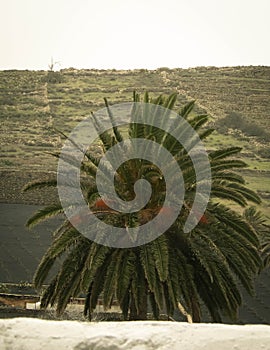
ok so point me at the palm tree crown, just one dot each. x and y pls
(177, 269)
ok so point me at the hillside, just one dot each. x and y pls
(33, 102)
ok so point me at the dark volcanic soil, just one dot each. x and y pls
(12, 183)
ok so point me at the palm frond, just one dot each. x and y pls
(236, 222)
(185, 111)
(217, 165)
(159, 250)
(39, 184)
(203, 134)
(148, 264)
(59, 246)
(116, 131)
(97, 286)
(224, 153)
(198, 121)
(47, 296)
(158, 292)
(104, 136)
(111, 278)
(126, 271)
(97, 256)
(68, 278)
(43, 270)
(138, 288)
(170, 101)
(44, 214)
(68, 237)
(228, 176)
(222, 191)
(246, 192)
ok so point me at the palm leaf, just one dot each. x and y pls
(64, 241)
(235, 222)
(148, 264)
(111, 278)
(44, 214)
(217, 165)
(246, 192)
(96, 259)
(185, 111)
(228, 176)
(170, 101)
(40, 184)
(104, 136)
(43, 270)
(97, 285)
(223, 153)
(203, 134)
(198, 121)
(159, 250)
(225, 192)
(126, 270)
(116, 131)
(47, 296)
(68, 277)
(138, 285)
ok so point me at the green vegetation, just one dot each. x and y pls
(177, 270)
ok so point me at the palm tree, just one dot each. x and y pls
(176, 270)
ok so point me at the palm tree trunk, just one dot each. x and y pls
(184, 312)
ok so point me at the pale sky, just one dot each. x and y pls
(128, 34)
